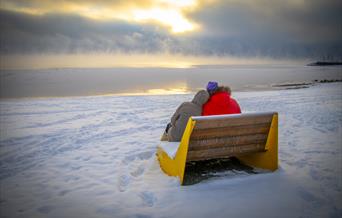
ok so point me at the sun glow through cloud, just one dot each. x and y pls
(166, 13)
(171, 18)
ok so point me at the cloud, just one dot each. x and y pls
(279, 28)
(47, 6)
(262, 28)
(168, 13)
(62, 33)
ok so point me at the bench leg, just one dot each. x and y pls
(176, 166)
(268, 159)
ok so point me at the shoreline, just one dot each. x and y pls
(255, 88)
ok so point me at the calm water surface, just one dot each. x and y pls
(92, 81)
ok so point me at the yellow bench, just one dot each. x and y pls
(251, 137)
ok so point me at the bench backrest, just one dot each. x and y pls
(228, 135)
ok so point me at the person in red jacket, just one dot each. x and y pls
(220, 101)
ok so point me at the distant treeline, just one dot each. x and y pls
(325, 63)
(328, 81)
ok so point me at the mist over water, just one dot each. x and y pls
(100, 81)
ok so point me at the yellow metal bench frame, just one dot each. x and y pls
(267, 159)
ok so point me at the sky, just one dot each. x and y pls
(95, 33)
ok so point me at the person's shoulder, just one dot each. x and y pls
(185, 105)
(188, 105)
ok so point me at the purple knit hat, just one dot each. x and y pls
(212, 86)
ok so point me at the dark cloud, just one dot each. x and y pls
(282, 29)
(65, 33)
(272, 28)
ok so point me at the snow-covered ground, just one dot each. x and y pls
(95, 157)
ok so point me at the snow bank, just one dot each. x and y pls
(95, 157)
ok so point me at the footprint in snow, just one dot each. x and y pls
(309, 197)
(124, 181)
(138, 172)
(148, 198)
(141, 156)
(145, 155)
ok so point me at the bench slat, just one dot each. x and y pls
(227, 141)
(230, 131)
(224, 152)
(233, 121)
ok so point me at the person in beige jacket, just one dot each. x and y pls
(174, 130)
